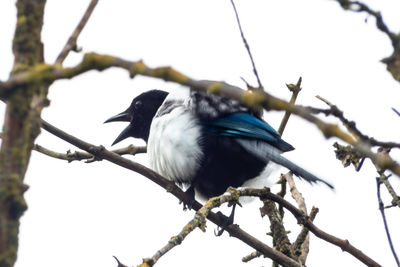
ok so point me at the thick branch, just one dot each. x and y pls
(21, 126)
(254, 99)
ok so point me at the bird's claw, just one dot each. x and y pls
(227, 221)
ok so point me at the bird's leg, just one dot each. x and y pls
(190, 192)
(227, 221)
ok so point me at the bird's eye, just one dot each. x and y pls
(138, 104)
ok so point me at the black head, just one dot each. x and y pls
(139, 115)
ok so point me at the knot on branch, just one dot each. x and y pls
(11, 191)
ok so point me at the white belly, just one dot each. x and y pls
(172, 147)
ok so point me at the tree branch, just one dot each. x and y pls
(101, 153)
(295, 89)
(21, 126)
(351, 125)
(393, 61)
(302, 218)
(71, 43)
(382, 210)
(199, 220)
(79, 155)
(255, 99)
(260, 86)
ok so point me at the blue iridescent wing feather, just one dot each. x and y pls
(244, 125)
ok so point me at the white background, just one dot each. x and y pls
(81, 214)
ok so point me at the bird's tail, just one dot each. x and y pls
(266, 152)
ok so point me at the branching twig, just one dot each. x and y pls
(260, 86)
(71, 43)
(382, 210)
(351, 125)
(358, 6)
(301, 246)
(295, 89)
(79, 155)
(302, 218)
(278, 232)
(393, 61)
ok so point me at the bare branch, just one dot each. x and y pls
(295, 89)
(71, 43)
(252, 256)
(393, 61)
(351, 125)
(260, 86)
(199, 220)
(255, 99)
(382, 210)
(302, 218)
(301, 246)
(278, 232)
(357, 6)
(102, 153)
(79, 155)
(396, 111)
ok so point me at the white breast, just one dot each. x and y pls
(173, 144)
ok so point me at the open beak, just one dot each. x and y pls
(123, 116)
(123, 135)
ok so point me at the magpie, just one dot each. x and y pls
(205, 142)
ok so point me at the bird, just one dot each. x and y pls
(205, 142)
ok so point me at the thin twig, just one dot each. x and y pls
(295, 89)
(251, 256)
(396, 111)
(357, 6)
(351, 125)
(71, 43)
(79, 155)
(382, 210)
(260, 86)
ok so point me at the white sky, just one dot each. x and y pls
(81, 214)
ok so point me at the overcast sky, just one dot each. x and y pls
(81, 214)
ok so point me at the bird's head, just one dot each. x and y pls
(139, 115)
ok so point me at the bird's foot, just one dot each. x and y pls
(227, 221)
(190, 203)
